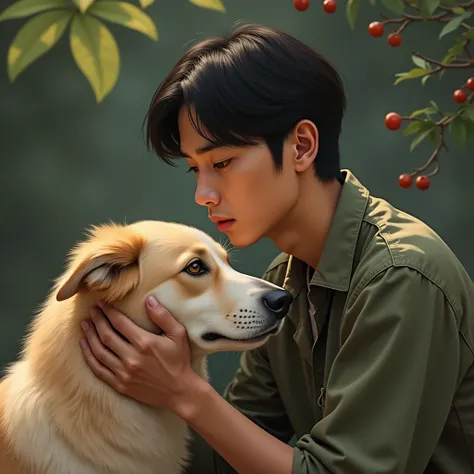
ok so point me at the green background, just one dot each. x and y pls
(68, 162)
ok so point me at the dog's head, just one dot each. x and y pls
(187, 271)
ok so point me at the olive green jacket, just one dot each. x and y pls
(388, 385)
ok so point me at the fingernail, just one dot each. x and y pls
(101, 304)
(152, 302)
(83, 343)
(85, 325)
(94, 312)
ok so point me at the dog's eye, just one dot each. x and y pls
(196, 267)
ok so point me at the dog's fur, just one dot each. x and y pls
(56, 417)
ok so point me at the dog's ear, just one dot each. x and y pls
(108, 262)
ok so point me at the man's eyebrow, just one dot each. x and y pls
(202, 149)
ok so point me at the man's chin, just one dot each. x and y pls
(242, 239)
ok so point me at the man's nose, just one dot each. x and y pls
(206, 194)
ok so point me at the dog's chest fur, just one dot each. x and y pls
(143, 441)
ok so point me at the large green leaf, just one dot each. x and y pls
(146, 3)
(395, 6)
(125, 14)
(83, 5)
(351, 12)
(412, 74)
(454, 24)
(25, 8)
(211, 4)
(34, 39)
(428, 7)
(96, 54)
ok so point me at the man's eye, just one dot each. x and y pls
(222, 164)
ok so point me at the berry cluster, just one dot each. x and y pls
(393, 121)
(377, 29)
(329, 6)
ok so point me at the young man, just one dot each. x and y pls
(373, 370)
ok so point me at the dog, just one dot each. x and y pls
(56, 417)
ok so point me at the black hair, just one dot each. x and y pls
(251, 86)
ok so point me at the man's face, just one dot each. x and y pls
(240, 184)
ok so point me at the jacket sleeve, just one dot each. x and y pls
(392, 383)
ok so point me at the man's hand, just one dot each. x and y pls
(152, 369)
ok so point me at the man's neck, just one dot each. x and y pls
(303, 232)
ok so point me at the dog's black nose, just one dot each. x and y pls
(278, 302)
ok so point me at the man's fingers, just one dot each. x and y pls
(164, 319)
(97, 368)
(100, 352)
(125, 326)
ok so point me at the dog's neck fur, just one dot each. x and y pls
(91, 413)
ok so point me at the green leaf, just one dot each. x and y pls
(146, 3)
(413, 127)
(469, 124)
(83, 5)
(421, 137)
(469, 35)
(372, 2)
(414, 73)
(448, 3)
(427, 111)
(424, 79)
(96, 54)
(454, 24)
(127, 15)
(34, 39)
(469, 112)
(351, 12)
(453, 52)
(459, 10)
(433, 135)
(395, 6)
(435, 106)
(421, 63)
(428, 7)
(25, 8)
(211, 4)
(458, 131)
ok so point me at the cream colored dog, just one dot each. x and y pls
(56, 417)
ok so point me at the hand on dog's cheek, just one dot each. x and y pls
(152, 369)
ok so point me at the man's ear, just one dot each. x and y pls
(108, 262)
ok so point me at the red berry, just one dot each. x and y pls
(393, 121)
(394, 39)
(470, 83)
(329, 6)
(405, 180)
(422, 182)
(376, 29)
(301, 5)
(459, 96)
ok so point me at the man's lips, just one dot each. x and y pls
(225, 225)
